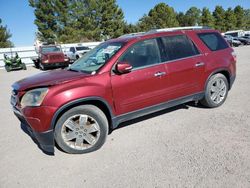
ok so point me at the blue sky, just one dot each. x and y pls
(19, 17)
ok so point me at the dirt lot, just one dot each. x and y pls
(185, 146)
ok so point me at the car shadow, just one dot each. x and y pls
(152, 115)
(25, 129)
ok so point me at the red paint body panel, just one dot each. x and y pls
(126, 92)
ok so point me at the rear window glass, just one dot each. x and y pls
(213, 41)
(179, 46)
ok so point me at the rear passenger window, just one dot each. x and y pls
(177, 47)
(213, 41)
(143, 53)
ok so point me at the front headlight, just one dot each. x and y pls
(34, 97)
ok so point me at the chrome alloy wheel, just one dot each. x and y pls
(80, 131)
(218, 90)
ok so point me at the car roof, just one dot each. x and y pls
(160, 32)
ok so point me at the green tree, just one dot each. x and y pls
(45, 19)
(230, 20)
(247, 19)
(207, 18)
(239, 14)
(111, 20)
(193, 16)
(4, 36)
(181, 19)
(219, 18)
(77, 20)
(161, 16)
(130, 28)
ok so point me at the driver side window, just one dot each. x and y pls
(142, 54)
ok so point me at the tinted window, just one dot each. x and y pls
(81, 48)
(72, 49)
(213, 41)
(142, 54)
(177, 47)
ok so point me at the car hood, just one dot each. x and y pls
(48, 78)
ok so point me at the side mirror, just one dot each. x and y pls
(123, 67)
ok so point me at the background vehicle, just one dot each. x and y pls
(233, 41)
(244, 41)
(50, 56)
(235, 33)
(229, 39)
(13, 62)
(76, 52)
(122, 79)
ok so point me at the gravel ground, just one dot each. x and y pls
(185, 146)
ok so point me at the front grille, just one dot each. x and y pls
(55, 57)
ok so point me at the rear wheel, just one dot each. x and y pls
(82, 129)
(216, 91)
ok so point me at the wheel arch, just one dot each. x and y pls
(95, 101)
(225, 72)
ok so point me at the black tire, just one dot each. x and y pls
(77, 57)
(207, 100)
(90, 111)
(7, 68)
(24, 67)
(36, 63)
(41, 66)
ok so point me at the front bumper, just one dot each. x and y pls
(44, 139)
(58, 64)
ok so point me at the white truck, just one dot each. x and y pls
(75, 52)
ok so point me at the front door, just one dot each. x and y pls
(144, 85)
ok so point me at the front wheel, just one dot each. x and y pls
(216, 91)
(82, 129)
(7, 68)
(24, 67)
(41, 66)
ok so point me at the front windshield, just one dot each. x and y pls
(96, 58)
(51, 49)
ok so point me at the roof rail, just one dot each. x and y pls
(178, 28)
(132, 34)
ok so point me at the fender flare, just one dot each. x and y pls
(79, 101)
(218, 71)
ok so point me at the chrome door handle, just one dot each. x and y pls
(200, 64)
(159, 74)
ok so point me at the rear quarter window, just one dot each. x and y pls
(178, 46)
(213, 41)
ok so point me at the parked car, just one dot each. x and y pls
(122, 79)
(229, 39)
(50, 56)
(13, 62)
(246, 37)
(75, 52)
(244, 41)
(232, 41)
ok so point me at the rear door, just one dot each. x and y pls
(145, 85)
(184, 66)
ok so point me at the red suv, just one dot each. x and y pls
(50, 56)
(122, 79)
